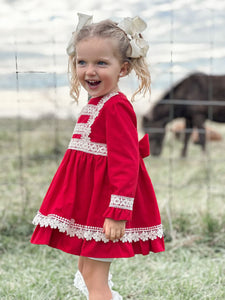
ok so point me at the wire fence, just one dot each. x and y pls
(31, 84)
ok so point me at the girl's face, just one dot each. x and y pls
(98, 67)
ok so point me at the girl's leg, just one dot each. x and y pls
(95, 274)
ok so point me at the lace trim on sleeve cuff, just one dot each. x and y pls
(121, 202)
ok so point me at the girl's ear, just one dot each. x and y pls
(125, 68)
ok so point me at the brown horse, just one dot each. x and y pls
(197, 98)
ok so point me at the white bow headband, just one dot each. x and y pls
(131, 26)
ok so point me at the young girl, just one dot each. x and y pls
(101, 204)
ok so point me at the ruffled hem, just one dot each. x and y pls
(91, 248)
(96, 233)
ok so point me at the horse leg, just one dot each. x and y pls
(199, 124)
(202, 137)
(187, 135)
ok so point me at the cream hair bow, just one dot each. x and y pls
(131, 26)
(82, 21)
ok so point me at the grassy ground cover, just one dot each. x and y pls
(191, 198)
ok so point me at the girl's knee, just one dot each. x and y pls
(85, 269)
(95, 276)
(94, 272)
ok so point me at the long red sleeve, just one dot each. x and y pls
(123, 158)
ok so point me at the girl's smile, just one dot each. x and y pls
(93, 84)
(98, 67)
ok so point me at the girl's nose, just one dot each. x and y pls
(90, 70)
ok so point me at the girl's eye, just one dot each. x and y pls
(102, 63)
(81, 62)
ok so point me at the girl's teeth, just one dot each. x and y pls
(93, 82)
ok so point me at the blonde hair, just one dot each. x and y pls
(109, 29)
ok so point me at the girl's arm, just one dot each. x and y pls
(123, 159)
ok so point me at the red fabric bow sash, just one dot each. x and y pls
(144, 146)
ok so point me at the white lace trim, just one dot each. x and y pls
(84, 129)
(121, 202)
(88, 146)
(96, 233)
(88, 109)
(80, 128)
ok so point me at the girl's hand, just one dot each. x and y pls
(114, 230)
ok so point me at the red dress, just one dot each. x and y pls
(102, 175)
